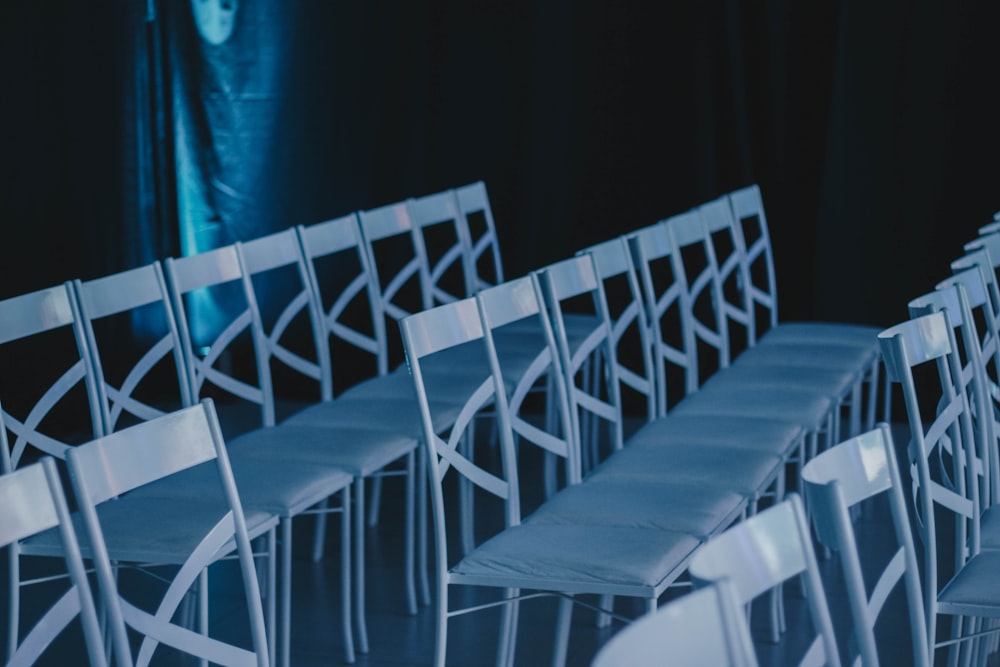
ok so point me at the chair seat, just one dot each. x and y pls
(358, 450)
(823, 332)
(822, 355)
(272, 484)
(741, 470)
(717, 397)
(398, 386)
(974, 591)
(398, 416)
(612, 560)
(148, 529)
(677, 506)
(765, 435)
(834, 382)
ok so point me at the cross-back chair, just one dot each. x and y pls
(764, 552)
(837, 480)
(51, 406)
(959, 584)
(703, 628)
(33, 501)
(564, 559)
(183, 538)
(283, 468)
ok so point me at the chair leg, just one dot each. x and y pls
(319, 538)
(285, 634)
(441, 623)
(13, 599)
(422, 535)
(561, 646)
(507, 639)
(359, 564)
(603, 618)
(271, 567)
(411, 594)
(375, 506)
(203, 609)
(345, 576)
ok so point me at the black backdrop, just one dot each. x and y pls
(871, 128)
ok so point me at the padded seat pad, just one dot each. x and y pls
(680, 507)
(578, 558)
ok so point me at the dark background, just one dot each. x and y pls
(871, 128)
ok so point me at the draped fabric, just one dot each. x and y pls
(130, 136)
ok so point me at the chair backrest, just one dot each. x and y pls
(698, 275)
(134, 345)
(397, 259)
(292, 341)
(534, 361)
(764, 551)
(725, 245)
(484, 262)
(704, 627)
(940, 455)
(983, 296)
(755, 245)
(222, 356)
(666, 297)
(630, 332)
(836, 481)
(50, 397)
(114, 465)
(431, 332)
(964, 298)
(348, 298)
(446, 245)
(594, 392)
(33, 501)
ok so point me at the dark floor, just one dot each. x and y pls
(400, 639)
